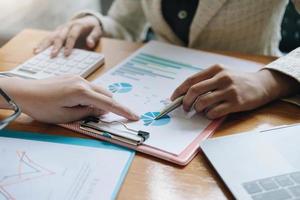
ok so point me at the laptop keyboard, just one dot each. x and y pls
(286, 186)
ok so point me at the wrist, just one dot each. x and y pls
(97, 20)
(89, 14)
(277, 84)
(8, 84)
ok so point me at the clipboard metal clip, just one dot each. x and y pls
(128, 135)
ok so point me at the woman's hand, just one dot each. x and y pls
(219, 91)
(86, 28)
(62, 99)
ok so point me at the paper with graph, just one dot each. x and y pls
(145, 81)
(34, 170)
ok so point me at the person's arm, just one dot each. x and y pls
(61, 99)
(288, 65)
(219, 91)
(125, 20)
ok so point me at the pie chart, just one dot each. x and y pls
(149, 119)
(120, 87)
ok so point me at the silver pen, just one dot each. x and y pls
(169, 108)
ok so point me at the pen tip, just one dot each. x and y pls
(157, 117)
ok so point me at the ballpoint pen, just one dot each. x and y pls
(169, 108)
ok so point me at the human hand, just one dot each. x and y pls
(86, 28)
(62, 99)
(219, 91)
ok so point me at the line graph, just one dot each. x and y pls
(27, 170)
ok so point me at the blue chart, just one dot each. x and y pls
(147, 65)
(120, 87)
(149, 119)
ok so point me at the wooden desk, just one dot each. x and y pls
(150, 178)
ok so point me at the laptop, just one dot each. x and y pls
(258, 165)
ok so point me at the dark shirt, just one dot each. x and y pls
(179, 14)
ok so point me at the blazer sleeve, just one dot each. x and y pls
(289, 65)
(125, 20)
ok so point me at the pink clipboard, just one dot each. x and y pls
(182, 159)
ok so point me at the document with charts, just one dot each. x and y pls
(145, 81)
(39, 170)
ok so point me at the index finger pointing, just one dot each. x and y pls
(119, 109)
(103, 102)
(100, 90)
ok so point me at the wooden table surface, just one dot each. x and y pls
(148, 177)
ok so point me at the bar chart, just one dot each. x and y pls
(147, 65)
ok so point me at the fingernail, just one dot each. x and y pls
(102, 112)
(53, 53)
(55, 50)
(135, 117)
(67, 52)
(91, 43)
(186, 108)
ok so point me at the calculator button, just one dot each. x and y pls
(27, 71)
(47, 72)
(89, 61)
(26, 66)
(81, 66)
(75, 71)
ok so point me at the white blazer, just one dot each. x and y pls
(250, 26)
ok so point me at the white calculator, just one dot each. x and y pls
(80, 62)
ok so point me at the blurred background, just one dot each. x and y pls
(16, 15)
